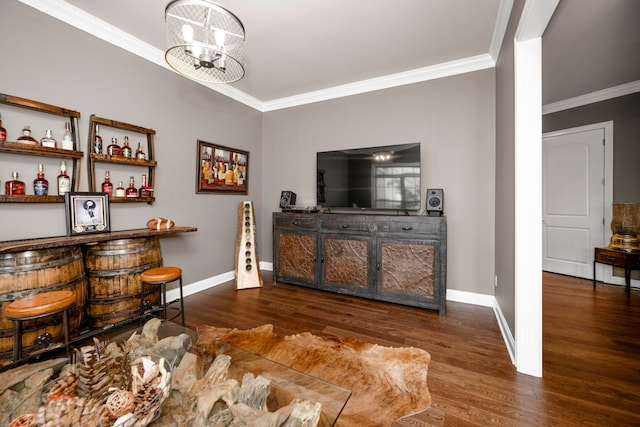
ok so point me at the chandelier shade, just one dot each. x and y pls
(205, 41)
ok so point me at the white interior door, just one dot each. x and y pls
(573, 213)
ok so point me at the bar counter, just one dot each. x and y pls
(56, 242)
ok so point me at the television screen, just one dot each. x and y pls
(377, 178)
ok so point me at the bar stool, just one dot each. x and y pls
(161, 276)
(37, 306)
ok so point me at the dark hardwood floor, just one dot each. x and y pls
(591, 349)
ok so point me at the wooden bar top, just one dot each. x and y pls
(56, 242)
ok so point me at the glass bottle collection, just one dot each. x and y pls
(115, 150)
(131, 191)
(47, 140)
(16, 187)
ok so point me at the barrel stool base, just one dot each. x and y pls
(35, 307)
(161, 276)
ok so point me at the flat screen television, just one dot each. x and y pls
(373, 178)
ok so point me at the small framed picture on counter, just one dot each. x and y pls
(87, 213)
(221, 169)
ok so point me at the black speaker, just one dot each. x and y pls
(287, 198)
(435, 201)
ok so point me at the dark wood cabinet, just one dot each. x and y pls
(390, 258)
(296, 250)
(617, 258)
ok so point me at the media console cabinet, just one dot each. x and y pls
(399, 259)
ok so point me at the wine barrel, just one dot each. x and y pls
(32, 272)
(113, 270)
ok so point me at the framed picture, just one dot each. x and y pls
(87, 213)
(221, 169)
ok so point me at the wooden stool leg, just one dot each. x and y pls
(17, 340)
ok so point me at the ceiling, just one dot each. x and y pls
(303, 51)
(300, 51)
(591, 46)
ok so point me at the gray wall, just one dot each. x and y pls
(505, 173)
(454, 120)
(624, 111)
(63, 66)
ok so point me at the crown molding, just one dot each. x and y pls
(88, 23)
(590, 98)
(502, 21)
(446, 69)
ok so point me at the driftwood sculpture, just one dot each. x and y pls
(221, 401)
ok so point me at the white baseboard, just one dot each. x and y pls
(204, 284)
(470, 298)
(452, 295)
(201, 285)
(210, 282)
(509, 341)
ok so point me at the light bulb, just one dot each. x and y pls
(222, 62)
(219, 37)
(196, 50)
(187, 33)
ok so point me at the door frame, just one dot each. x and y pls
(607, 126)
(528, 184)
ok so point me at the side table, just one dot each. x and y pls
(617, 258)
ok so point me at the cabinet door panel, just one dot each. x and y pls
(407, 268)
(346, 262)
(296, 256)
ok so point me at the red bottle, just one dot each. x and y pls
(131, 191)
(107, 186)
(15, 187)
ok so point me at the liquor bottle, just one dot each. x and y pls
(3, 131)
(15, 187)
(107, 186)
(26, 137)
(145, 190)
(228, 177)
(240, 177)
(114, 149)
(97, 142)
(67, 139)
(222, 172)
(48, 140)
(126, 149)
(40, 184)
(131, 191)
(139, 153)
(120, 192)
(64, 182)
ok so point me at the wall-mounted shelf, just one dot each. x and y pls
(149, 163)
(35, 150)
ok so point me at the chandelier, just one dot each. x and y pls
(205, 41)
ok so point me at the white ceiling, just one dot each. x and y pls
(300, 51)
